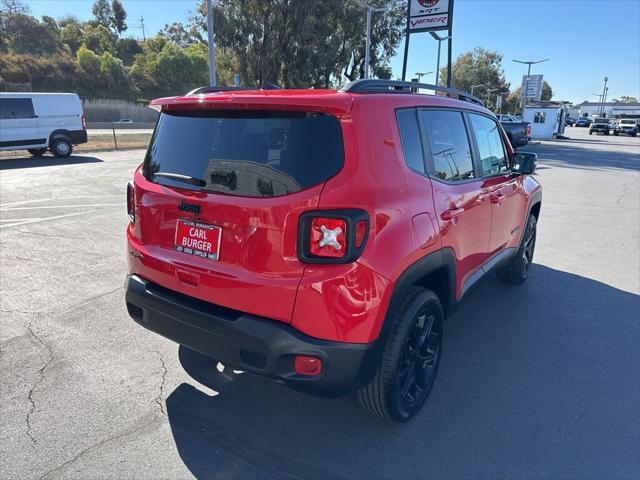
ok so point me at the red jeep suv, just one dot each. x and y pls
(319, 237)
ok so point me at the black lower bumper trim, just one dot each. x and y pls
(255, 344)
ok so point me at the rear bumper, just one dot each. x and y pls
(78, 136)
(258, 345)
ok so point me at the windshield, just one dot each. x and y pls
(245, 153)
(628, 122)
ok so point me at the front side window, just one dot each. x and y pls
(539, 117)
(244, 153)
(410, 136)
(493, 159)
(16, 108)
(451, 159)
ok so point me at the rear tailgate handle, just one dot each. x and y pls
(451, 214)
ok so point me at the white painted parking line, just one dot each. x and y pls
(36, 220)
(92, 205)
(26, 202)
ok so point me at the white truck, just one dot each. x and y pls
(38, 122)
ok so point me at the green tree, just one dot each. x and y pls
(180, 35)
(25, 34)
(102, 12)
(127, 49)
(14, 7)
(628, 99)
(89, 61)
(547, 91)
(478, 67)
(98, 39)
(71, 35)
(299, 43)
(118, 17)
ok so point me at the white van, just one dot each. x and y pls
(38, 122)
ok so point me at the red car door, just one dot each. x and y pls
(503, 188)
(462, 208)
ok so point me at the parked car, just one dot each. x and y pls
(583, 122)
(626, 126)
(518, 132)
(38, 122)
(320, 238)
(569, 122)
(600, 125)
(124, 120)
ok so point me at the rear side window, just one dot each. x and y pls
(15, 108)
(493, 159)
(449, 144)
(245, 153)
(410, 136)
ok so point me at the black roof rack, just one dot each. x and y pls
(397, 86)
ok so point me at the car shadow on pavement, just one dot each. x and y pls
(539, 380)
(31, 162)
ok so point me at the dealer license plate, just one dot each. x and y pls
(199, 239)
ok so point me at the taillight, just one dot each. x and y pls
(332, 236)
(131, 201)
(84, 122)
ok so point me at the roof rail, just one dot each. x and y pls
(397, 86)
(219, 88)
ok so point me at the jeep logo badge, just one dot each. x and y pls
(189, 207)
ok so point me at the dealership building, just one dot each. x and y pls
(611, 109)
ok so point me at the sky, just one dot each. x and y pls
(585, 40)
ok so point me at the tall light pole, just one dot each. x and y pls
(212, 53)
(604, 96)
(526, 85)
(489, 92)
(473, 87)
(421, 74)
(440, 40)
(370, 11)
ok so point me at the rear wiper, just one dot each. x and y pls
(182, 178)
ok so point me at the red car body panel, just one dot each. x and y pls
(410, 215)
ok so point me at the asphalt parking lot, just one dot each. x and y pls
(537, 381)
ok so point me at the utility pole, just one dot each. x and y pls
(144, 38)
(212, 48)
(526, 84)
(440, 40)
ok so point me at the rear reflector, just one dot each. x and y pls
(131, 202)
(305, 365)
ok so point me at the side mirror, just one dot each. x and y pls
(524, 163)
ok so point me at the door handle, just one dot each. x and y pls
(451, 214)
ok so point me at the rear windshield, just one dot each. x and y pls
(628, 122)
(244, 153)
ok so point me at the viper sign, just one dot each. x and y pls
(429, 15)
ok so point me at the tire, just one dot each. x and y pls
(633, 134)
(37, 152)
(517, 270)
(590, 132)
(615, 134)
(62, 147)
(410, 359)
(606, 133)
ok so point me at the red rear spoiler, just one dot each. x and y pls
(327, 101)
